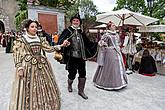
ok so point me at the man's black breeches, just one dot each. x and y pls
(76, 65)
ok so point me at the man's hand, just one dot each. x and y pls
(66, 43)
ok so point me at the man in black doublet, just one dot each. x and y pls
(76, 51)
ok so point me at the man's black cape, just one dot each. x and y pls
(90, 47)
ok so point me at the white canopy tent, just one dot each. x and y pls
(96, 30)
(99, 28)
(158, 42)
(125, 17)
(152, 28)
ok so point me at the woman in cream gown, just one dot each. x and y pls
(34, 87)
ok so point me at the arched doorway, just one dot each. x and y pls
(2, 27)
(4, 20)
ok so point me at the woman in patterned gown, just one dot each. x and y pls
(110, 74)
(35, 87)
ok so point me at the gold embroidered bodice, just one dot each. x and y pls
(35, 48)
(26, 50)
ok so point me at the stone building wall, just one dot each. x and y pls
(8, 9)
(51, 19)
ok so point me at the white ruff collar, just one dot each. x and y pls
(31, 38)
(75, 28)
(113, 32)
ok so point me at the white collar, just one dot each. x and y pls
(113, 32)
(31, 36)
(75, 28)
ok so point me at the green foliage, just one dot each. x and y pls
(51, 3)
(162, 21)
(156, 36)
(22, 4)
(64, 4)
(87, 9)
(21, 15)
(133, 5)
(158, 10)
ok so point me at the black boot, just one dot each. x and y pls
(81, 85)
(70, 85)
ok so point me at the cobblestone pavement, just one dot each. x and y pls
(142, 92)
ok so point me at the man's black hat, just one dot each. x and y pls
(76, 16)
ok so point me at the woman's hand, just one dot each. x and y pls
(21, 73)
(102, 43)
(105, 44)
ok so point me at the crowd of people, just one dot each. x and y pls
(35, 84)
(7, 39)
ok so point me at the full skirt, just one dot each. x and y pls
(37, 90)
(111, 74)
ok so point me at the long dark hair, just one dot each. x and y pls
(146, 53)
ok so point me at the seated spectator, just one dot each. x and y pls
(147, 66)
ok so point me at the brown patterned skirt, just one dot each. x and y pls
(37, 90)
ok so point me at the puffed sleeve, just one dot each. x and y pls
(46, 47)
(18, 53)
(103, 41)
